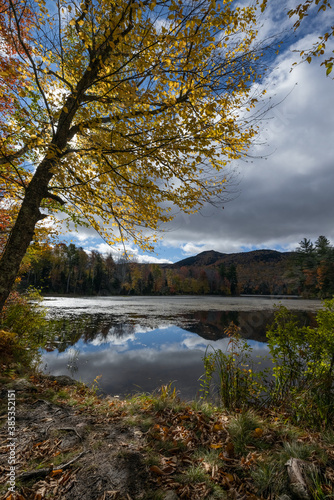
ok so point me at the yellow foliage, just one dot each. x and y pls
(8, 344)
(131, 110)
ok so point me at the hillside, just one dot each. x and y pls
(211, 257)
(259, 271)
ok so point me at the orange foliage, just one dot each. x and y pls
(10, 33)
(5, 223)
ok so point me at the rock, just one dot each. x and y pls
(22, 385)
(170, 495)
(298, 480)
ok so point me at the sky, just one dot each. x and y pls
(285, 190)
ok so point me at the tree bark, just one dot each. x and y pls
(22, 233)
(29, 215)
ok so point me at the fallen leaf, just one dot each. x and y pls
(207, 466)
(229, 477)
(224, 457)
(230, 449)
(258, 432)
(38, 444)
(56, 472)
(156, 470)
(168, 470)
(216, 446)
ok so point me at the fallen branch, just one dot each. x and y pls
(41, 473)
(34, 474)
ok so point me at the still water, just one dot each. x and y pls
(139, 343)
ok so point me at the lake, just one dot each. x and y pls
(140, 343)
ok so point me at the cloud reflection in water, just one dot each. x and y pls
(141, 361)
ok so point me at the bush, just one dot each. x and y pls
(303, 370)
(23, 328)
(239, 386)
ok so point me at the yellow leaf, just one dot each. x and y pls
(229, 477)
(258, 432)
(216, 446)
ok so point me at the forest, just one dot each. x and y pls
(68, 269)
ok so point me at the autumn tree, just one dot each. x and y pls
(314, 267)
(124, 110)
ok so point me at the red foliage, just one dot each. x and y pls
(5, 224)
(13, 31)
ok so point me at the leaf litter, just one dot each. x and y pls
(81, 446)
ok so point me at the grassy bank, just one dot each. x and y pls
(175, 449)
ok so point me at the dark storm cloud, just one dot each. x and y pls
(287, 194)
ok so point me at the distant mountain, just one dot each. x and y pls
(261, 272)
(211, 257)
(202, 259)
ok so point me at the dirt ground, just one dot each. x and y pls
(66, 453)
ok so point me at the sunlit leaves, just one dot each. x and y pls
(133, 106)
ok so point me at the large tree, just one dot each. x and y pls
(126, 108)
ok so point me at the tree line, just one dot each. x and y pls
(68, 269)
(313, 268)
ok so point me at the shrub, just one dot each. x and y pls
(23, 328)
(303, 370)
(239, 386)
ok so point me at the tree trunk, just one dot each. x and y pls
(23, 231)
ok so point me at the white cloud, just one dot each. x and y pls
(288, 194)
(192, 248)
(117, 252)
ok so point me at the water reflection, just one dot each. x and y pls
(141, 352)
(253, 324)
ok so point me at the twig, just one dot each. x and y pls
(26, 476)
(41, 401)
(70, 429)
(65, 466)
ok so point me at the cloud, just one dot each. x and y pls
(288, 193)
(133, 253)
